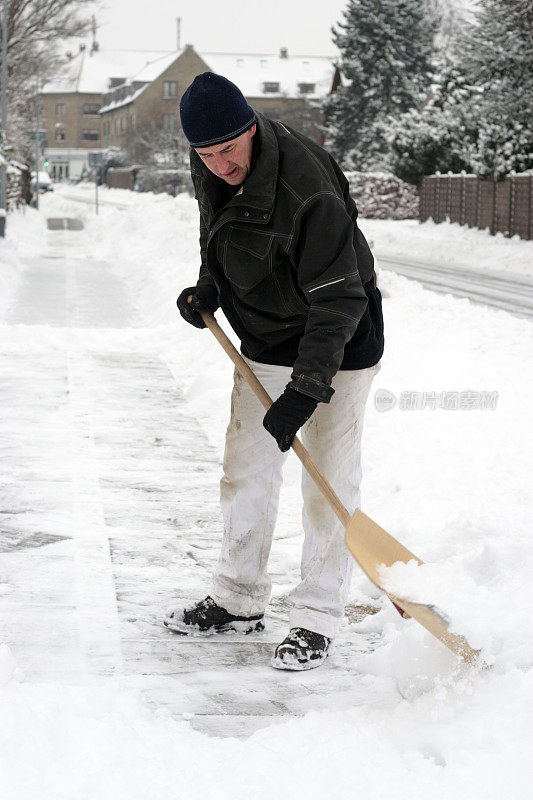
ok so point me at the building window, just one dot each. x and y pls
(170, 89)
(122, 124)
(132, 121)
(61, 135)
(270, 87)
(169, 122)
(306, 88)
(60, 109)
(264, 63)
(105, 128)
(271, 113)
(91, 109)
(91, 136)
(117, 126)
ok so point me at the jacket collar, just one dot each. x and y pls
(259, 188)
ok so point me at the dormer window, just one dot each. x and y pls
(271, 87)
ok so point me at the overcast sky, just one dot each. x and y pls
(222, 25)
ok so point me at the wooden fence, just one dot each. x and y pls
(503, 206)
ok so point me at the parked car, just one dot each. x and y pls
(46, 183)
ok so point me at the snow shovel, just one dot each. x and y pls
(370, 545)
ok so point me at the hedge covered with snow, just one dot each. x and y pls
(381, 195)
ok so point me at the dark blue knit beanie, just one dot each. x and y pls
(214, 110)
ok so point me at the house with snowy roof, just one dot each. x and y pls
(70, 104)
(103, 98)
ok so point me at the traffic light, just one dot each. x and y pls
(46, 163)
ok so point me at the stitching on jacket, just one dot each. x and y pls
(301, 209)
(331, 311)
(316, 160)
(255, 253)
(310, 152)
(249, 229)
(303, 378)
(290, 189)
(281, 295)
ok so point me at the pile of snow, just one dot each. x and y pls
(23, 236)
(10, 268)
(467, 739)
(451, 244)
(381, 195)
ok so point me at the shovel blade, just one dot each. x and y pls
(372, 547)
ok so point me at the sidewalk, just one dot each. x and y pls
(110, 514)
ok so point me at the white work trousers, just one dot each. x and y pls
(249, 492)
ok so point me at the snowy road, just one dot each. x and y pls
(497, 289)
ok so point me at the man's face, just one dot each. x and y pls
(230, 160)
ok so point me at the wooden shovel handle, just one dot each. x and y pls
(263, 396)
(426, 615)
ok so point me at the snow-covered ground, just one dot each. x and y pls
(452, 484)
(451, 244)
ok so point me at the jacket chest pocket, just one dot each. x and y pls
(246, 257)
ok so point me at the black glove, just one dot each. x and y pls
(204, 297)
(286, 416)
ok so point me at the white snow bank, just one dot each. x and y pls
(451, 244)
(23, 227)
(466, 739)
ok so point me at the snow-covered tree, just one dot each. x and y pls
(386, 48)
(498, 59)
(441, 136)
(479, 115)
(451, 16)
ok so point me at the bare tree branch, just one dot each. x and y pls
(38, 26)
(35, 32)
